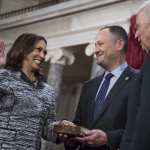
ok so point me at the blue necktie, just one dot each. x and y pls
(101, 95)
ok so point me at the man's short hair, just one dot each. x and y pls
(120, 33)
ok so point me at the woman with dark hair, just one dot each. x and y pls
(27, 104)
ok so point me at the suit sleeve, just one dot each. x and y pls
(141, 137)
(78, 117)
(51, 117)
(133, 105)
(130, 108)
(114, 138)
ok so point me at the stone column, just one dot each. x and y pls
(58, 58)
(96, 69)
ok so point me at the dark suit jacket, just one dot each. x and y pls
(133, 105)
(112, 117)
(137, 133)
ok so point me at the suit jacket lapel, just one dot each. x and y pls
(126, 75)
(91, 100)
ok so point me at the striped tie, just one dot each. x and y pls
(101, 95)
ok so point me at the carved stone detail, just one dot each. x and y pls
(58, 58)
(89, 50)
(61, 56)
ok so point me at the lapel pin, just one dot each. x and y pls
(126, 78)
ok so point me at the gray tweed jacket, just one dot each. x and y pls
(26, 111)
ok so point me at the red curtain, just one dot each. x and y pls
(135, 54)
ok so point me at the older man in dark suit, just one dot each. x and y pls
(137, 133)
(103, 103)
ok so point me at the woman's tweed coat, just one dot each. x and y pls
(26, 111)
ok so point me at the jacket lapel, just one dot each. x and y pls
(91, 99)
(124, 78)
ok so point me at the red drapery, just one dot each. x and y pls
(135, 54)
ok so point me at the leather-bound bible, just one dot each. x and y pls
(71, 129)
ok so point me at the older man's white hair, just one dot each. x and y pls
(145, 7)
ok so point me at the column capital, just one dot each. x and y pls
(61, 56)
(89, 50)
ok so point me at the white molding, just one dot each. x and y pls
(77, 37)
(80, 28)
(83, 36)
(53, 12)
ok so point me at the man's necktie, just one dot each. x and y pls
(101, 95)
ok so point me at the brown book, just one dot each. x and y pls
(72, 130)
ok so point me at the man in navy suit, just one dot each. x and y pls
(137, 132)
(106, 128)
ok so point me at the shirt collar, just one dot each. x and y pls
(118, 71)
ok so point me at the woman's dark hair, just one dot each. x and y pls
(23, 45)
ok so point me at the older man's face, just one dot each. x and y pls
(143, 30)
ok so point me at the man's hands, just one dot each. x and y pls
(93, 137)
